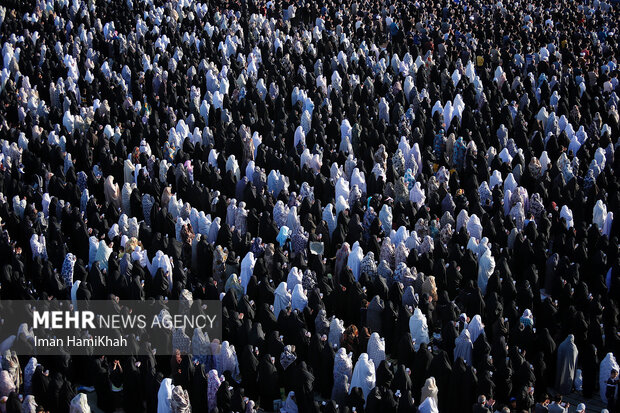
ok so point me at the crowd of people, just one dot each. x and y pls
(402, 205)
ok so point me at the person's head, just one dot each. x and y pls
(613, 374)
(558, 398)
(482, 399)
(545, 398)
(513, 402)
(581, 408)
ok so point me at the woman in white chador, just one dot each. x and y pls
(385, 217)
(354, 260)
(567, 214)
(164, 396)
(486, 267)
(336, 329)
(608, 364)
(474, 227)
(247, 269)
(475, 327)
(416, 195)
(226, 360)
(79, 404)
(418, 328)
(363, 375)
(282, 299)
(299, 301)
(376, 349)
(430, 390)
(464, 347)
(599, 214)
(343, 365)
(429, 405)
(295, 277)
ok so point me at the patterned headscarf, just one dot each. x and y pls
(213, 385)
(180, 401)
(287, 357)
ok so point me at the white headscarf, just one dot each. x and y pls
(342, 188)
(363, 375)
(358, 178)
(608, 363)
(282, 299)
(226, 360)
(341, 204)
(401, 235)
(429, 405)
(214, 229)
(355, 258)
(416, 195)
(343, 364)
(567, 214)
(496, 179)
(510, 183)
(430, 389)
(38, 246)
(463, 347)
(164, 396)
(231, 212)
(599, 214)
(475, 327)
(544, 162)
(247, 269)
(473, 245)
(336, 328)
(385, 217)
(292, 219)
(330, 218)
(79, 404)
(486, 267)
(376, 349)
(204, 224)
(418, 328)
(280, 214)
(233, 166)
(295, 277)
(505, 156)
(474, 227)
(29, 405)
(299, 299)
(462, 219)
(28, 373)
(161, 260)
(517, 212)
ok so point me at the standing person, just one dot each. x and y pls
(116, 383)
(611, 391)
(567, 362)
